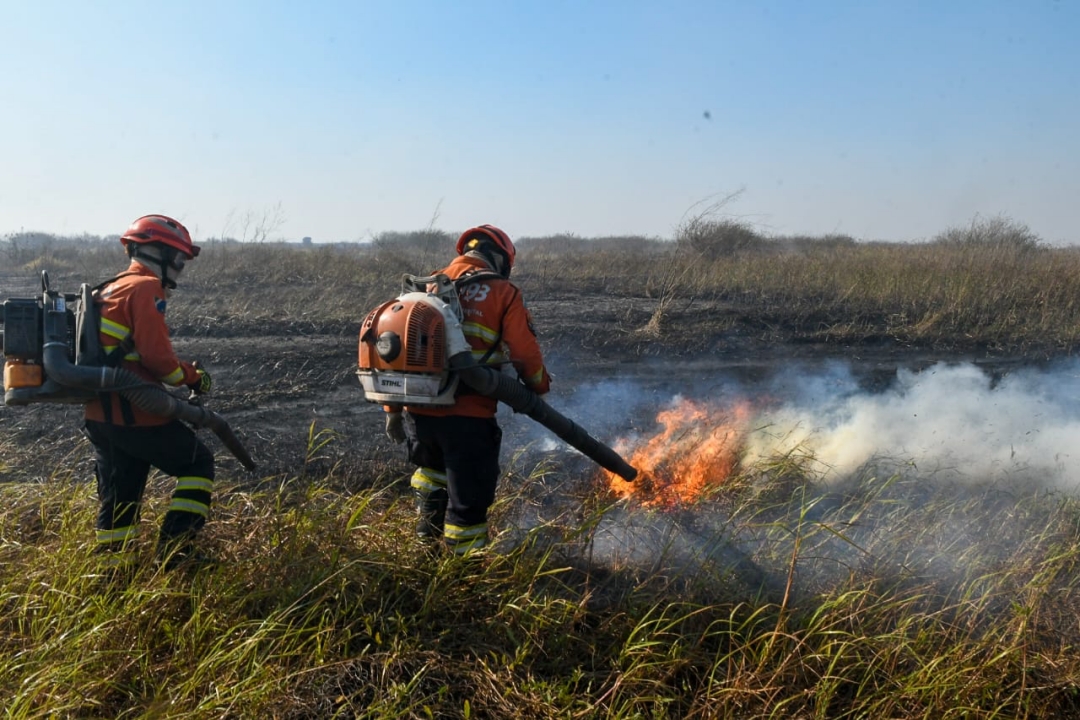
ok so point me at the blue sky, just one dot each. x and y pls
(883, 120)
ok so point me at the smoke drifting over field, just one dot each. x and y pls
(952, 421)
(904, 482)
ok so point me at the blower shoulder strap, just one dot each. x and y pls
(116, 356)
(97, 288)
(476, 276)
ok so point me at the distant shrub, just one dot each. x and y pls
(997, 233)
(713, 239)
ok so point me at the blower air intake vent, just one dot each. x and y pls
(426, 345)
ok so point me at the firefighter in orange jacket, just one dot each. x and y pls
(128, 440)
(457, 447)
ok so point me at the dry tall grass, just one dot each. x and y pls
(992, 285)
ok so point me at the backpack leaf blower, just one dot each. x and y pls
(53, 354)
(412, 351)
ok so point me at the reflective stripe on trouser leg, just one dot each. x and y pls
(120, 482)
(426, 480)
(431, 499)
(189, 506)
(116, 546)
(116, 538)
(464, 539)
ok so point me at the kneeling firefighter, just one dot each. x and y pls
(456, 446)
(128, 439)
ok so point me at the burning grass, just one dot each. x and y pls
(694, 453)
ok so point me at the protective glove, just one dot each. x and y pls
(204, 384)
(395, 429)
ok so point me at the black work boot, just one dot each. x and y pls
(432, 509)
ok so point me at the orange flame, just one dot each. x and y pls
(696, 450)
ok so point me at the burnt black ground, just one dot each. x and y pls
(281, 386)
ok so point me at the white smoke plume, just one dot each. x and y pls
(975, 445)
(949, 420)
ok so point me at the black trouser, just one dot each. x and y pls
(466, 450)
(123, 458)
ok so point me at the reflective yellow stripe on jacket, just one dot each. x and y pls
(116, 330)
(488, 337)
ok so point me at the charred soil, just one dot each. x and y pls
(290, 391)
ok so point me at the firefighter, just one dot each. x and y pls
(456, 447)
(128, 440)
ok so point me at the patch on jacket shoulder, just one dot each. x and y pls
(159, 303)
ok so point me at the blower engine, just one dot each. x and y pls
(404, 345)
(25, 380)
(412, 351)
(52, 354)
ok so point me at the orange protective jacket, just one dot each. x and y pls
(133, 306)
(495, 316)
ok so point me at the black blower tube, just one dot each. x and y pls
(492, 383)
(149, 397)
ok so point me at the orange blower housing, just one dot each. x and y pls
(403, 353)
(413, 351)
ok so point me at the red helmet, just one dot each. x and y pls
(490, 232)
(161, 229)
